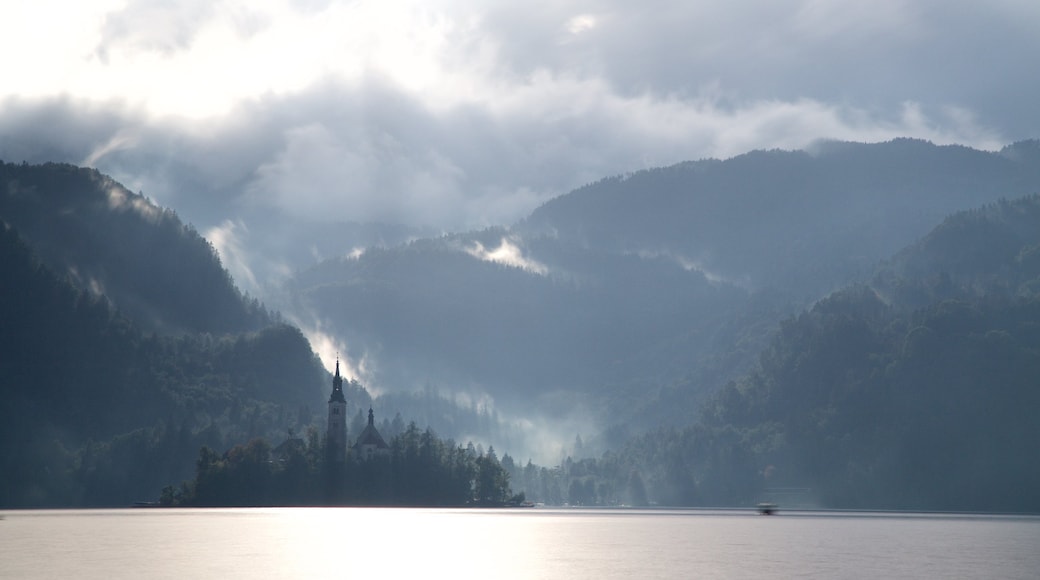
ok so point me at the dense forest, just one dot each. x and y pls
(917, 390)
(119, 245)
(419, 469)
(125, 346)
(113, 412)
(809, 221)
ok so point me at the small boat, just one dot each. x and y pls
(766, 508)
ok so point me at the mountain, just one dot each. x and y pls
(992, 250)
(652, 312)
(630, 300)
(918, 390)
(125, 347)
(120, 245)
(809, 221)
(469, 313)
(914, 390)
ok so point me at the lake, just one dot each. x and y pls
(387, 543)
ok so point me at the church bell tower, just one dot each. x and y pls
(336, 436)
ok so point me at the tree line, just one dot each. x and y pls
(421, 469)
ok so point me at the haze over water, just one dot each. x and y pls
(534, 543)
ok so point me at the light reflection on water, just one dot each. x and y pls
(532, 543)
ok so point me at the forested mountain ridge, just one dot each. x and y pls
(118, 244)
(994, 249)
(809, 221)
(105, 406)
(917, 389)
(921, 398)
(97, 412)
(639, 295)
(869, 398)
(546, 334)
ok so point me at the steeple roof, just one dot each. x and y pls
(337, 387)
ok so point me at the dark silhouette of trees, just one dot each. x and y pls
(421, 470)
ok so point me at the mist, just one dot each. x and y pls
(570, 219)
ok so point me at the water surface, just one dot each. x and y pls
(531, 543)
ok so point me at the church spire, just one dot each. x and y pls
(336, 435)
(337, 387)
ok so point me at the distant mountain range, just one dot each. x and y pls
(830, 313)
(914, 390)
(634, 297)
(808, 221)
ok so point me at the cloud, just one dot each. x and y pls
(154, 25)
(342, 153)
(508, 253)
(227, 239)
(581, 23)
(120, 200)
(461, 114)
(691, 265)
(330, 349)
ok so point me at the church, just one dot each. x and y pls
(369, 443)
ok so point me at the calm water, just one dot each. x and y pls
(533, 543)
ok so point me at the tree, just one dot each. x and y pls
(492, 480)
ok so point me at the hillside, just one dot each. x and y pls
(809, 221)
(105, 405)
(97, 412)
(874, 396)
(923, 399)
(119, 245)
(633, 298)
(572, 328)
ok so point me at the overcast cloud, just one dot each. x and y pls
(459, 114)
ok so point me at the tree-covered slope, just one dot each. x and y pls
(125, 346)
(97, 412)
(809, 221)
(647, 291)
(472, 312)
(922, 398)
(993, 249)
(118, 244)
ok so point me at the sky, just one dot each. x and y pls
(458, 114)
